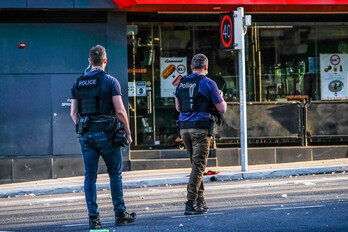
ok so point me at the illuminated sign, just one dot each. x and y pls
(227, 31)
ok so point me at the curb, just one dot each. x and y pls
(176, 180)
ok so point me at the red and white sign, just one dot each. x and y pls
(334, 76)
(335, 59)
(226, 31)
(172, 70)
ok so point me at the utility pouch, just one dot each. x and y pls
(82, 125)
(120, 136)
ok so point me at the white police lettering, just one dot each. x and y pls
(187, 85)
(86, 83)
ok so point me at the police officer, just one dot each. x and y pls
(197, 96)
(96, 100)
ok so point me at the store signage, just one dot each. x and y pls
(137, 70)
(334, 76)
(139, 90)
(297, 97)
(172, 70)
(227, 31)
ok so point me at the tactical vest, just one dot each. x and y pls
(189, 98)
(88, 95)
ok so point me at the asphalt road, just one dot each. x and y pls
(303, 203)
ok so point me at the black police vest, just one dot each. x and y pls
(89, 97)
(189, 98)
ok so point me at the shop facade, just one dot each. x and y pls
(296, 75)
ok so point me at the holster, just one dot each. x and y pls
(82, 125)
(119, 136)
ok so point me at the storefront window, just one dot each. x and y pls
(151, 48)
(286, 58)
(282, 63)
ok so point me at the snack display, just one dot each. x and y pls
(168, 71)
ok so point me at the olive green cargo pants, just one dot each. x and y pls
(197, 144)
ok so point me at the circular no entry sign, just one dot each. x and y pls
(335, 59)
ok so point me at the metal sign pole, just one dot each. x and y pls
(242, 90)
(232, 37)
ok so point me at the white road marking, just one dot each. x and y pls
(207, 214)
(72, 225)
(84, 224)
(33, 200)
(300, 207)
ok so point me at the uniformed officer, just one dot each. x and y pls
(96, 100)
(196, 98)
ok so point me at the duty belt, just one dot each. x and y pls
(97, 127)
(195, 125)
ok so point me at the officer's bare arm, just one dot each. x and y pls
(221, 107)
(74, 110)
(121, 114)
(177, 104)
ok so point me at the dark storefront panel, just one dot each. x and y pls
(50, 4)
(268, 124)
(65, 141)
(50, 48)
(36, 111)
(101, 4)
(37, 137)
(25, 117)
(327, 123)
(40, 122)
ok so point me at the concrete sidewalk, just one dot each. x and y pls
(163, 177)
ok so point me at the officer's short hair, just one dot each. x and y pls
(198, 61)
(97, 55)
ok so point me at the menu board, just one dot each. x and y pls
(334, 76)
(172, 70)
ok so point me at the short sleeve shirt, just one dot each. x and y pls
(209, 89)
(109, 87)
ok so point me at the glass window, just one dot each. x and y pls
(282, 63)
(152, 112)
(285, 58)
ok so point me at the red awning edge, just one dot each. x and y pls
(256, 6)
(125, 3)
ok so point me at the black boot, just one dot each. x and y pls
(94, 222)
(125, 218)
(200, 202)
(192, 209)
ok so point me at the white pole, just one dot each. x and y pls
(242, 95)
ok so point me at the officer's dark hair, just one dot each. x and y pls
(97, 55)
(198, 61)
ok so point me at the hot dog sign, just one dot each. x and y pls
(334, 76)
(172, 70)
